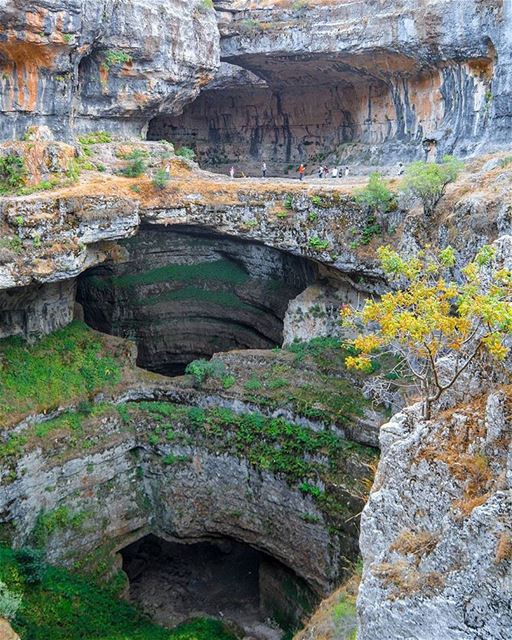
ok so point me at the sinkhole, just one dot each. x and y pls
(186, 293)
(219, 578)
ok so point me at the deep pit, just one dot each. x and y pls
(185, 294)
(220, 578)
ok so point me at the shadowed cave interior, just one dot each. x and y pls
(221, 578)
(185, 293)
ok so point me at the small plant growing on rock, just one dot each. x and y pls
(318, 244)
(186, 152)
(114, 58)
(136, 167)
(160, 180)
(12, 173)
(428, 180)
(436, 327)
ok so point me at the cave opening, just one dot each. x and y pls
(174, 581)
(184, 294)
(350, 109)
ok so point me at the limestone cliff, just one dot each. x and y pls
(365, 82)
(101, 64)
(436, 532)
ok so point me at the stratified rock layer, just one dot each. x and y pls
(184, 296)
(109, 65)
(353, 82)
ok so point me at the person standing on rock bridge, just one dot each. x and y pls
(302, 171)
(232, 173)
(264, 170)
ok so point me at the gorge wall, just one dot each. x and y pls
(277, 451)
(359, 82)
(101, 64)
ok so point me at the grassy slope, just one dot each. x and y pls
(69, 607)
(72, 363)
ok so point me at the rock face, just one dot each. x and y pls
(6, 632)
(187, 295)
(101, 64)
(84, 503)
(436, 534)
(360, 82)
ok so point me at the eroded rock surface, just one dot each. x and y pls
(353, 82)
(101, 64)
(436, 534)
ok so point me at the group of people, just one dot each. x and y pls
(323, 172)
(335, 172)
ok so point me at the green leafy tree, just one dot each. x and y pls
(433, 317)
(376, 195)
(428, 180)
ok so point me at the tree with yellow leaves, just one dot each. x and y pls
(431, 316)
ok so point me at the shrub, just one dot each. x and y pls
(114, 58)
(428, 180)
(95, 137)
(10, 602)
(136, 166)
(318, 244)
(12, 172)
(376, 195)
(160, 180)
(31, 564)
(186, 152)
(203, 369)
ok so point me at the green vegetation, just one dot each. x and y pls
(10, 602)
(376, 195)
(274, 444)
(225, 271)
(431, 317)
(67, 364)
(12, 173)
(205, 5)
(318, 244)
(114, 57)
(160, 180)
(201, 370)
(136, 165)
(58, 519)
(428, 180)
(186, 152)
(95, 137)
(65, 606)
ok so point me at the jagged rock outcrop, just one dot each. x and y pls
(101, 64)
(436, 534)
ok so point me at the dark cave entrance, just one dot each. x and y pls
(219, 578)
(183, 294)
